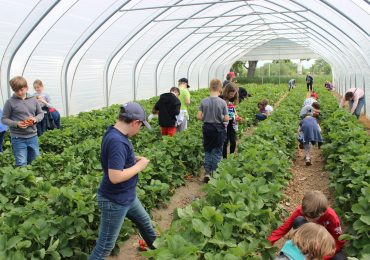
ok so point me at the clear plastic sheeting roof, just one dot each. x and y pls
(91, 53)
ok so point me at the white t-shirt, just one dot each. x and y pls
(309, 101)
(269, 109)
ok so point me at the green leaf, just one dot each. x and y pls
(12, 242)
(24, 244)
(365, 219)
(201, 227)
(66, 252)
(53, 246)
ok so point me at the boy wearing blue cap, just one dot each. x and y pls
(116, 194)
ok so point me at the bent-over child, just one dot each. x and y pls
(309, 134)
(309, 242)
(167, 108)
(314, 208)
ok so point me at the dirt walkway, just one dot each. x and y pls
(163, 216)
(306, 178)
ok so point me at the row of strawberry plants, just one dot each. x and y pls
(49, 208)
(347, 155)
(242, 202)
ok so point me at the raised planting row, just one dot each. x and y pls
(241, 207)
(49, 209)
(347, 154)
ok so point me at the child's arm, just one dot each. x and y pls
(156, 107)
(335, 230)
(117, 176)
(200, 115)
(39, 114)
(187, 98)
(5, 119)
(285, 227)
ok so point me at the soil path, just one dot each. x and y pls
(163, 216)
(306, 178)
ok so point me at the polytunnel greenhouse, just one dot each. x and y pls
(222, 173)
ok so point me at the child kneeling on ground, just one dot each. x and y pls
(315, 209)
(213, 112)
(310, 241)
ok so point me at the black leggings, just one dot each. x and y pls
(230, 136)
(309, 87)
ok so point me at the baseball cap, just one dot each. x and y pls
(135, 112)
(184, 80)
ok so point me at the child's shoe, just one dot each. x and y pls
(308, 161)
(143, 246)
(207, 177)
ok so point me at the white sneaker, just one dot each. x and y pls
(308, 161)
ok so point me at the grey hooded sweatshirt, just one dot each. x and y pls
(17, 109)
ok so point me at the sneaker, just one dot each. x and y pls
(142, 246)
(301, 146)
(207, 177)
(308, 161)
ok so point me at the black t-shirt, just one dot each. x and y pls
(168, 107)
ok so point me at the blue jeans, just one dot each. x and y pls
(211, 159)
(111, 220)
(360, 105)
(56, 117)
(2, 135)
(25, 150)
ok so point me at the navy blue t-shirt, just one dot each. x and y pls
(117, 153)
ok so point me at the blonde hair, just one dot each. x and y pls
(231, 87)
(215, 85)
(17, 83)
(314, 241)
(314, 203)
(38, 82)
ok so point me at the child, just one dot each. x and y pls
(230, 95)
(3, 129)
(116, 194)
(313, 98)
(309, 81)
(227, 81)
(315, 107)
(184, 97)
(44, 99)
(263, 113)
(315, 209)
(329, 86)
(291, 84)
(310, 134)
(356, 98)
(213, 112)
(21, 113)
(168, 107)
(310, 241)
